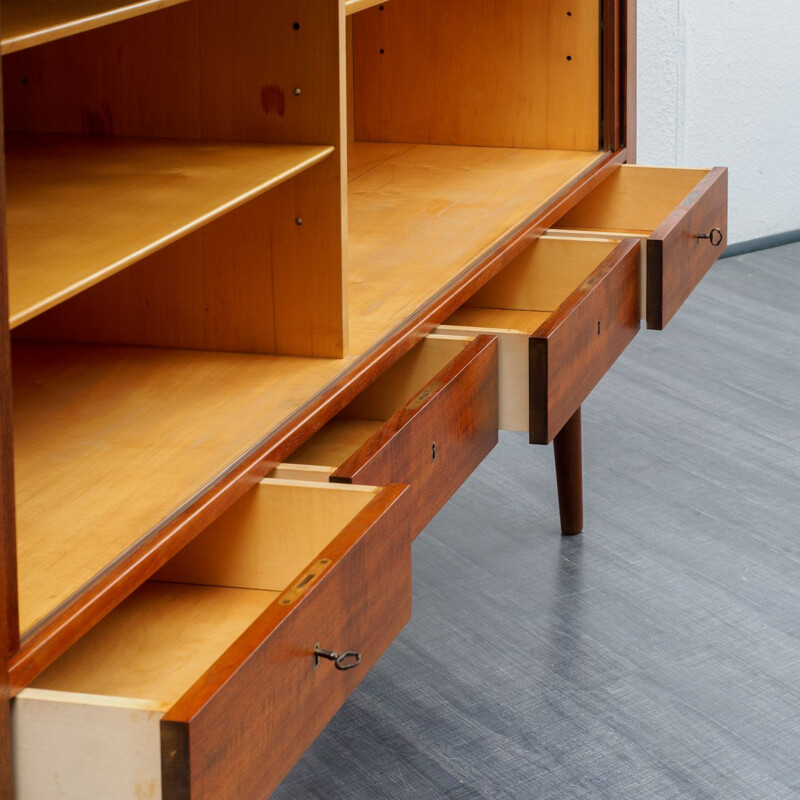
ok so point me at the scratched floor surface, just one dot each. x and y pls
(655, 657)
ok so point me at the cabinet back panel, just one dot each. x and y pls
(209, 69)
(512, 73)
(237, 284)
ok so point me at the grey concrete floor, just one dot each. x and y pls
(656, 656)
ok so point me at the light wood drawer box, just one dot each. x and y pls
(428, 421)
(204, 684)
(674, 210)
(563, 312)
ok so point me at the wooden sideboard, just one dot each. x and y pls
(275, 275)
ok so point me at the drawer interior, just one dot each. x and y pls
(517, 301)
(633, 200)
(365, 415)
(93, 716)
(90, 725)
(172, 629)
(533, 285)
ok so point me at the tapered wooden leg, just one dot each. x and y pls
(569, 475)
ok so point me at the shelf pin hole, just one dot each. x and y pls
(296, 26)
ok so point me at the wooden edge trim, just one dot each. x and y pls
(629, 74)
(43, 643)
(539, 390)
(229, 663)
(654, 285)
(176, 772)
(611, 71)
(405, 415)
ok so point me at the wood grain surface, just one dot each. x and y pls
(236, 284)
(112, 201)
(27, 23)
(157, 643)
(9, 620)
(438, 437)
(89, 746)
(542, 277)
(204, 70)
(353, 6)
(238, 731)
(635, 198)
(108, 439)
(548, 55)
(421, 216)
(581, 340)
(269, 536)
(677, 259)
(334, 443)
(568, 455)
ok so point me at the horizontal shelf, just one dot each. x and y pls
(420, 214)
(352, 6)
(81, 208)
(26, 23)
(109, 441)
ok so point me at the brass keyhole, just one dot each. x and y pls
(433, 452)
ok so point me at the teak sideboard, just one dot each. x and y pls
(276, 273)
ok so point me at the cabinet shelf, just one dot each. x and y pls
(353, 6)
(420, 214)
(27, 23)
(109, 202)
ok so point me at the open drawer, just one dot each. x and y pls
(562, 311)
(204, 683)
(428, 421)
(683, 215)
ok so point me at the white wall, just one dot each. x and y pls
(719, 85)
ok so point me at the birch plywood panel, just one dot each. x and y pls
(511, 74)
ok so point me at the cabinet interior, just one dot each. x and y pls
(216, 209)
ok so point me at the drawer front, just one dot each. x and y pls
(580, 341)
(438, 438)
(237, 732)
(675, 210)
(677, 258)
